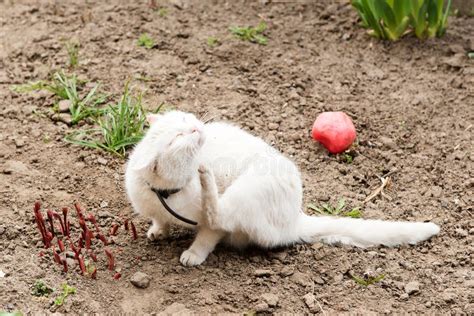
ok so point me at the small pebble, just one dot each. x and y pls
(102, 161)
(140, 280)
(412, 287)
(64, 105)
(270, 299)
(262, 273)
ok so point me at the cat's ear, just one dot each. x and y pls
(151, 118)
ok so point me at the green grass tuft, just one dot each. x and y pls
(162, 12)
(121, 126)
(66, 87)
(72, 48)
(146, 41)
(251, 34)
(212, 41)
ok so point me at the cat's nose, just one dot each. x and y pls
(195, 129)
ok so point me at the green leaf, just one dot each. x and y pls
(385, 12)
(442, 28)
(372, 20)
(401, 8)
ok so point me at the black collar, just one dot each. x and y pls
(164, 194)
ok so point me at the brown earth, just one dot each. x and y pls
(411, 101)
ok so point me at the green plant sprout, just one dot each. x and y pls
(72, 48)
(391, 19)
(67, 290)
(121, 126)
(366, 281)
(41, 289)
(251, 34)
(212, 41)
(347, 157)
(146, 41)
(337, 210)
(162, 12)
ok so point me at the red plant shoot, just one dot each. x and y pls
(125, 224)
(57, 258)
(50, 219)
(66, 223)
(110, 257)
(103, 239)
(134, 230)
(61, 245)
(79, 211)
(81, 264)
(117, 275)
(92, 255)
(58, 217)
(65, 265)
(88, 239)
(113, 230)
(41, 225)
(94, 273)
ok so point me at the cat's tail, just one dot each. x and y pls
(362, 233)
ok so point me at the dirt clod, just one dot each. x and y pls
(271, 299)
(140, 280)
(64, 105)
(262, 273)
(412, 287)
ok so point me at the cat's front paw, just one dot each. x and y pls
(206, 177)
(156, 232)
(189, 258)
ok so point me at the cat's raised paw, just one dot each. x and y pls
(202, 169)
(189, 258)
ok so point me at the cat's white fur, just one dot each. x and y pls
(239, 189)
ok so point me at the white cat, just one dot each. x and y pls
(238, 189)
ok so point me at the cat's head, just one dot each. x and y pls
(167, 155)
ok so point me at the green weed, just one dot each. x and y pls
(347, 157)
(54, 87)
(470, 55)
(72, 48)
(80, 108)
(251, 34)
(146, 41)
(162, 12)
(41, 289)
(66, 87)
(391, 19)
(336, 210)
(67, 290)
(366, 281)
(212, 41)
(121, 126)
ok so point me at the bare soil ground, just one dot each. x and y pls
(412, 103)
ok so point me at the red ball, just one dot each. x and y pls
(334, 130)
